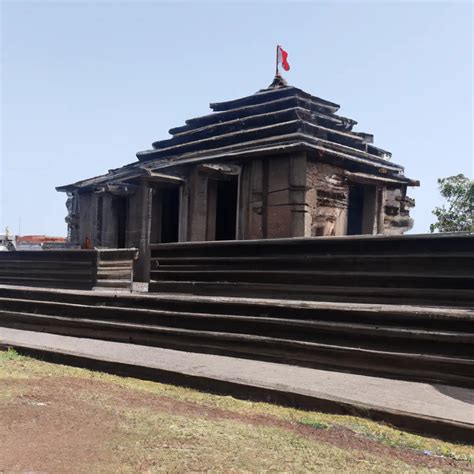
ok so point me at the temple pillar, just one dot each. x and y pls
(88, 210)
(109, 224)
(254, 211)
(298, 205)
(183, 213)
(273, 198)
(138, 230)
(284, 202)
(197, 228)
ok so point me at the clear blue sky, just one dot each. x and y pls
(87, 85)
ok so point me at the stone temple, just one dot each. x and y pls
(278, 163)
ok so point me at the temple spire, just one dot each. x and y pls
(278, 81)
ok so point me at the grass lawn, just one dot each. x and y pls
(56, 418)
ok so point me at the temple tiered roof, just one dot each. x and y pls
(277, 120)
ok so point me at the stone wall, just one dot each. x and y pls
(72, 219)
(327, 198)
(68, 268)
(385, 210)
(273, 198)
(279, 196)
(396, 211)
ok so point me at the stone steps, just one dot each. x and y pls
(410, 342)
(355, 294)
(46, 282)
(436, 369)
(320, 278)
(461, 263)
(322, 324)
(112, 282)
(410, 315)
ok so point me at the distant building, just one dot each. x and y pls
(38, 242)
(278, 163)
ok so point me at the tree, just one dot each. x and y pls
(457, 216)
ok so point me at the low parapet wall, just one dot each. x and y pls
(432, 268)
(72, 269)
(361, 244)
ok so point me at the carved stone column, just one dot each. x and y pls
(138, 230)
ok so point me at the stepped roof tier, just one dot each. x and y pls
(278, 120)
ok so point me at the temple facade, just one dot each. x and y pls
(278, 163)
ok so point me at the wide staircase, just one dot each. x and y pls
(395, 307)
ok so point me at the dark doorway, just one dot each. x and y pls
(361, 217)
(120, 205)
(356, 210)
(226, 208)
(170, 214)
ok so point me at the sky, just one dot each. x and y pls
(85, 85)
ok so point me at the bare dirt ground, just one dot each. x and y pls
(62, 419)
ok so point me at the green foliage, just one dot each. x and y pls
(9, 354)
(457, 214)
(318, 425)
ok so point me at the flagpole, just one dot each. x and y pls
(276, 62)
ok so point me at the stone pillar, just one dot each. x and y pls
(156, 213)
(379, 209)
(273, 198)
(211, 200)
(73, 218)
(109, 222)
(138, 230)
(255, 207)
(299, 207)
(183, 212)
(284, 180)
(197, 228)
(243, 203)
(87, 211)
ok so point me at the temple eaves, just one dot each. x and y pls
(279, 119)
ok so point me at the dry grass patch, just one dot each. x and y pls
(57, 418)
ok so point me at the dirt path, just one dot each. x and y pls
(58, 424)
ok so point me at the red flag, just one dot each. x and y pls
(283, 58)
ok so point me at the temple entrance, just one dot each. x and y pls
(222, 208)
(226, 209)
(361, 210)
(165, 215)
(170, 214)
